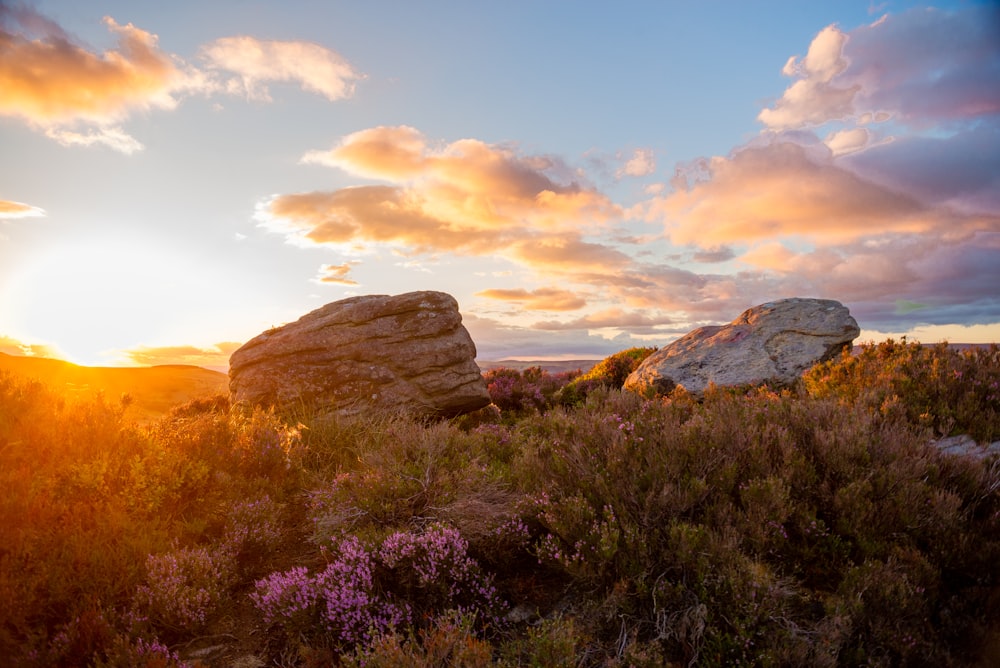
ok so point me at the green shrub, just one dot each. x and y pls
(610, 372)
(949, 390)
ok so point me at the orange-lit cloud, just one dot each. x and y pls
(337, 274)
(542, 299)
(80, 97)
(784, 189)
(51, 82)
(256, 62)
(12, 346)
(216, 356)
(466, 197)
(10, 210)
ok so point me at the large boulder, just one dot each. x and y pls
(408, 352)
(771, 343)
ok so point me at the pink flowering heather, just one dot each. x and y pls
(342, 599)
(363, 594)
(183, 587)
(436, 564)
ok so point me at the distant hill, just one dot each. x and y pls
(154, 390)
(552, 366)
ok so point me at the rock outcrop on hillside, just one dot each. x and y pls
(770, 343)
(407, 352)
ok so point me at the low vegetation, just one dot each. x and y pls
(813, 526)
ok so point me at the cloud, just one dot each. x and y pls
(785, 189)
(392, 153)
(50, 81)
(613, 318)
(212, 357)
(256, 62)
(113, 137)
(12, 346)
(80, 97)
(465, 197)
(712, 255)
(542, 299)
(10, 210)
(959, 171)
(918, 67)
(496, 340)
(642, 163)
(337, 274)
(848, 141)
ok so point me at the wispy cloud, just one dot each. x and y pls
(215, 356)
(644, 322)
(10, 210)
(541, 299)
(12, 346)
(256, 62)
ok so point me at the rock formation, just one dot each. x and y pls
(408, 352)
(771, 343)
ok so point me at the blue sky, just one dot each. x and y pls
(581, 176)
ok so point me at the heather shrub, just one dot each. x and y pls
(610, 372)
(184, 587)
(757, 507)
(365, 593)
(407, 473)
(815, 526)
(450, 640)
(949, 390)
(518, 393)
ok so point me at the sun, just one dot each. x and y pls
(93, 299)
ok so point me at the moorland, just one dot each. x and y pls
(568, 524)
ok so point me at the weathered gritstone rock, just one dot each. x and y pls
(407, 352)
(771, 343)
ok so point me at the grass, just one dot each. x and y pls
(812, 526)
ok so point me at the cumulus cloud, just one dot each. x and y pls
(785, 189)
(53, 83)
(542, 299)
(10, 210)
(80, 97)
(256, 62)
(466, 197)
(922, 66)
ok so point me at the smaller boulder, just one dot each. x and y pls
(771, 343)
